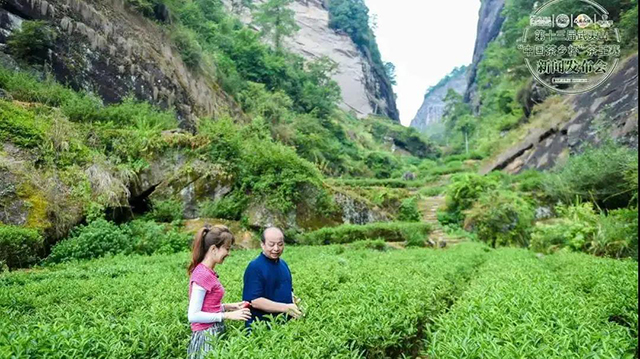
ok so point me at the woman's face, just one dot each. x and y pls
(221, 253)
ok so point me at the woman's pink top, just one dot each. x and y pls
(207, 279)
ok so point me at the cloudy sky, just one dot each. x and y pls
(425, 40)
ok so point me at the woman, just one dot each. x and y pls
(206, 311)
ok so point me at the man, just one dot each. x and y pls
(268, 285)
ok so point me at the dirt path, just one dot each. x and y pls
(429, 207)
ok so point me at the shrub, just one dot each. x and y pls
(33, 41)
(272, 106)
(82, 108)
(167, 211)
(19, 247)
(374, 182)
(464, 190)
(409, 210)
(188, 46)
(150, 237)
(530, 181)
(448, 168)
(382, 163)
(93, 240)
(561, 233)
(604, 175)
(226, 141)
(131, 113)
(581, 228)
(275, 173)
(617, 234)
(432, 191)
(19, 126)
(145, 7)
(629, 24)
(347, 233)
(501, 218)
(228, 207)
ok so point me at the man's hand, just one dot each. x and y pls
(293, 311)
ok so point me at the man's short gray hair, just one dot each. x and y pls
(262, 237)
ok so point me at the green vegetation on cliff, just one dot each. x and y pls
(504, 83)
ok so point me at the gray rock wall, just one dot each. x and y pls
(608, 112)
(364, 91)
(110, 50)
(489, 24)
(432, 108)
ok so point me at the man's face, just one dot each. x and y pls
(273, 245)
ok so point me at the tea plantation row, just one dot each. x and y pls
(468, 301)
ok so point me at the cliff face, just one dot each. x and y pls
(112, 51)
(608, 112)
(489, 24)
(432, 109)
(364, 91)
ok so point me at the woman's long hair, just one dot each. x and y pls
(206, 237)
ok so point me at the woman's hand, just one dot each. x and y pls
(236, 306)
(242, 314)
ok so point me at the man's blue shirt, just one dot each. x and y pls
(267, 278)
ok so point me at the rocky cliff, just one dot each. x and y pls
(110, 50)
(489, 24)
(608, 112)
(364, 91)
(431, 111)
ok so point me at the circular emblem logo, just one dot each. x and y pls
(570, 46)
(562, 21)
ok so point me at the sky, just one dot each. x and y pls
(425, 40)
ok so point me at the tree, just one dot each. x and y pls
(457, 116)
(276, 20)
(390, 69)
(320, 93)
(238, 5)
(33, 41)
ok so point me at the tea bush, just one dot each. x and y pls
(375, 244)
(381, 163)
(19, 247)
(377, 304)
(375, 182)
(19, 126)
(561, 306)
(467, 301)
(389, 231)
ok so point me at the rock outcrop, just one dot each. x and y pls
(432, 109)
(364, 90)
(608, 112)
(110, 50)
(489, 24)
